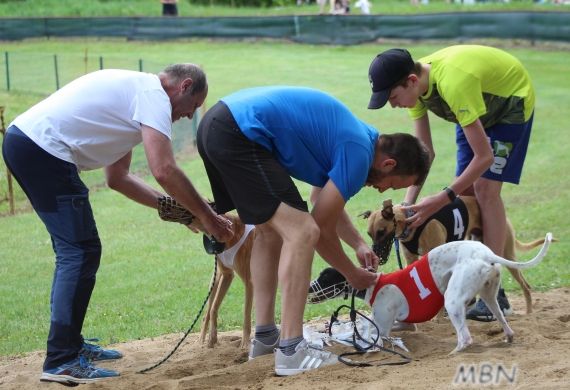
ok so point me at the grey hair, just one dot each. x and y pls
(177, 73)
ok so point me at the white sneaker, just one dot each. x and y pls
(257, 348)
(307, 356)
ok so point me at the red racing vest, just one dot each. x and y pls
(417, 284)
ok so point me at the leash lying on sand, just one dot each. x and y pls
(211, 249)
(360, 350)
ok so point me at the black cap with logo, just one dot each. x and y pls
(387, 69)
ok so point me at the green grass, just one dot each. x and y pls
(86, 8)
(154, 275)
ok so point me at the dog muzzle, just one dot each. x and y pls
(320, 294)
(382, 250)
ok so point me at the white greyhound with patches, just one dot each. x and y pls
(451, 274)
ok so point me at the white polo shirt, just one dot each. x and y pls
(96, 119)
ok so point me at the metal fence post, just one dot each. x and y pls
(101, 63)
(8, 173)
(56, 72)
(86, 59)
(7, 73)
(140, 65)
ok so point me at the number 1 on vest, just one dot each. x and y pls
(424, 292)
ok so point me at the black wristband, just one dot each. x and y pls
(450, 194)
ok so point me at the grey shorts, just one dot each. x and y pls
(243, 174)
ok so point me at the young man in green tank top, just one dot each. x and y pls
(489, 95)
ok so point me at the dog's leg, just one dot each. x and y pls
(244, 273)
(242, 262)
(245, 340)
(464, 338)
(462, 286)
(390, 304)
(509, 253)
(489, 296)
(227, 276)
(409, 256)
(440, 315)
(525, 287)
(456, 311)
(207, 314)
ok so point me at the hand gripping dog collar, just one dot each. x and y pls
(407, 231)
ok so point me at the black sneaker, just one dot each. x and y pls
(482, 313)
(470, 306)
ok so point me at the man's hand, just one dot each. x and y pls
(219, 227)
(426, 208)
(361, 278)
(367, 258)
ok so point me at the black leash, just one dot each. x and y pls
(397, 246)
(362, 350)
(213, 247)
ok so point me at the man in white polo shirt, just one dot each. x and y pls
(94, 122)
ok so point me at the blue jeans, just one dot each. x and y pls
(61, 201)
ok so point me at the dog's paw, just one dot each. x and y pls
(403, 326)
(459, 348)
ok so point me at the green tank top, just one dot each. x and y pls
(469, 81)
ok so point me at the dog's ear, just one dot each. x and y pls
(388, 213)
(387, 210)
(365, 214)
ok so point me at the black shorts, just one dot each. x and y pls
(244, 175)
(170, 9)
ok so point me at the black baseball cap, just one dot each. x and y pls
(387, 69)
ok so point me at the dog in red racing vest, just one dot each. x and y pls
(449, 275)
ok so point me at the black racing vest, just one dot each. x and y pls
(453, 216)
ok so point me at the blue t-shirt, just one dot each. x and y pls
(311, 133)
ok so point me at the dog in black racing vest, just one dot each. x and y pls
(456, 221)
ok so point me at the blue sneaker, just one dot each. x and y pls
(77, 371)
(94, 352)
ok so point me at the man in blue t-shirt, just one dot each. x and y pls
(253, 143)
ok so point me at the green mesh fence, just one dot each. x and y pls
(312, 29)
(43, 74)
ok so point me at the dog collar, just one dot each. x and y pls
(212, 246)
(407, 231)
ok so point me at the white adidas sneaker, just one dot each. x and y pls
(307, 357)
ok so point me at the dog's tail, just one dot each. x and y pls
(511, 264)
(527, 246)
